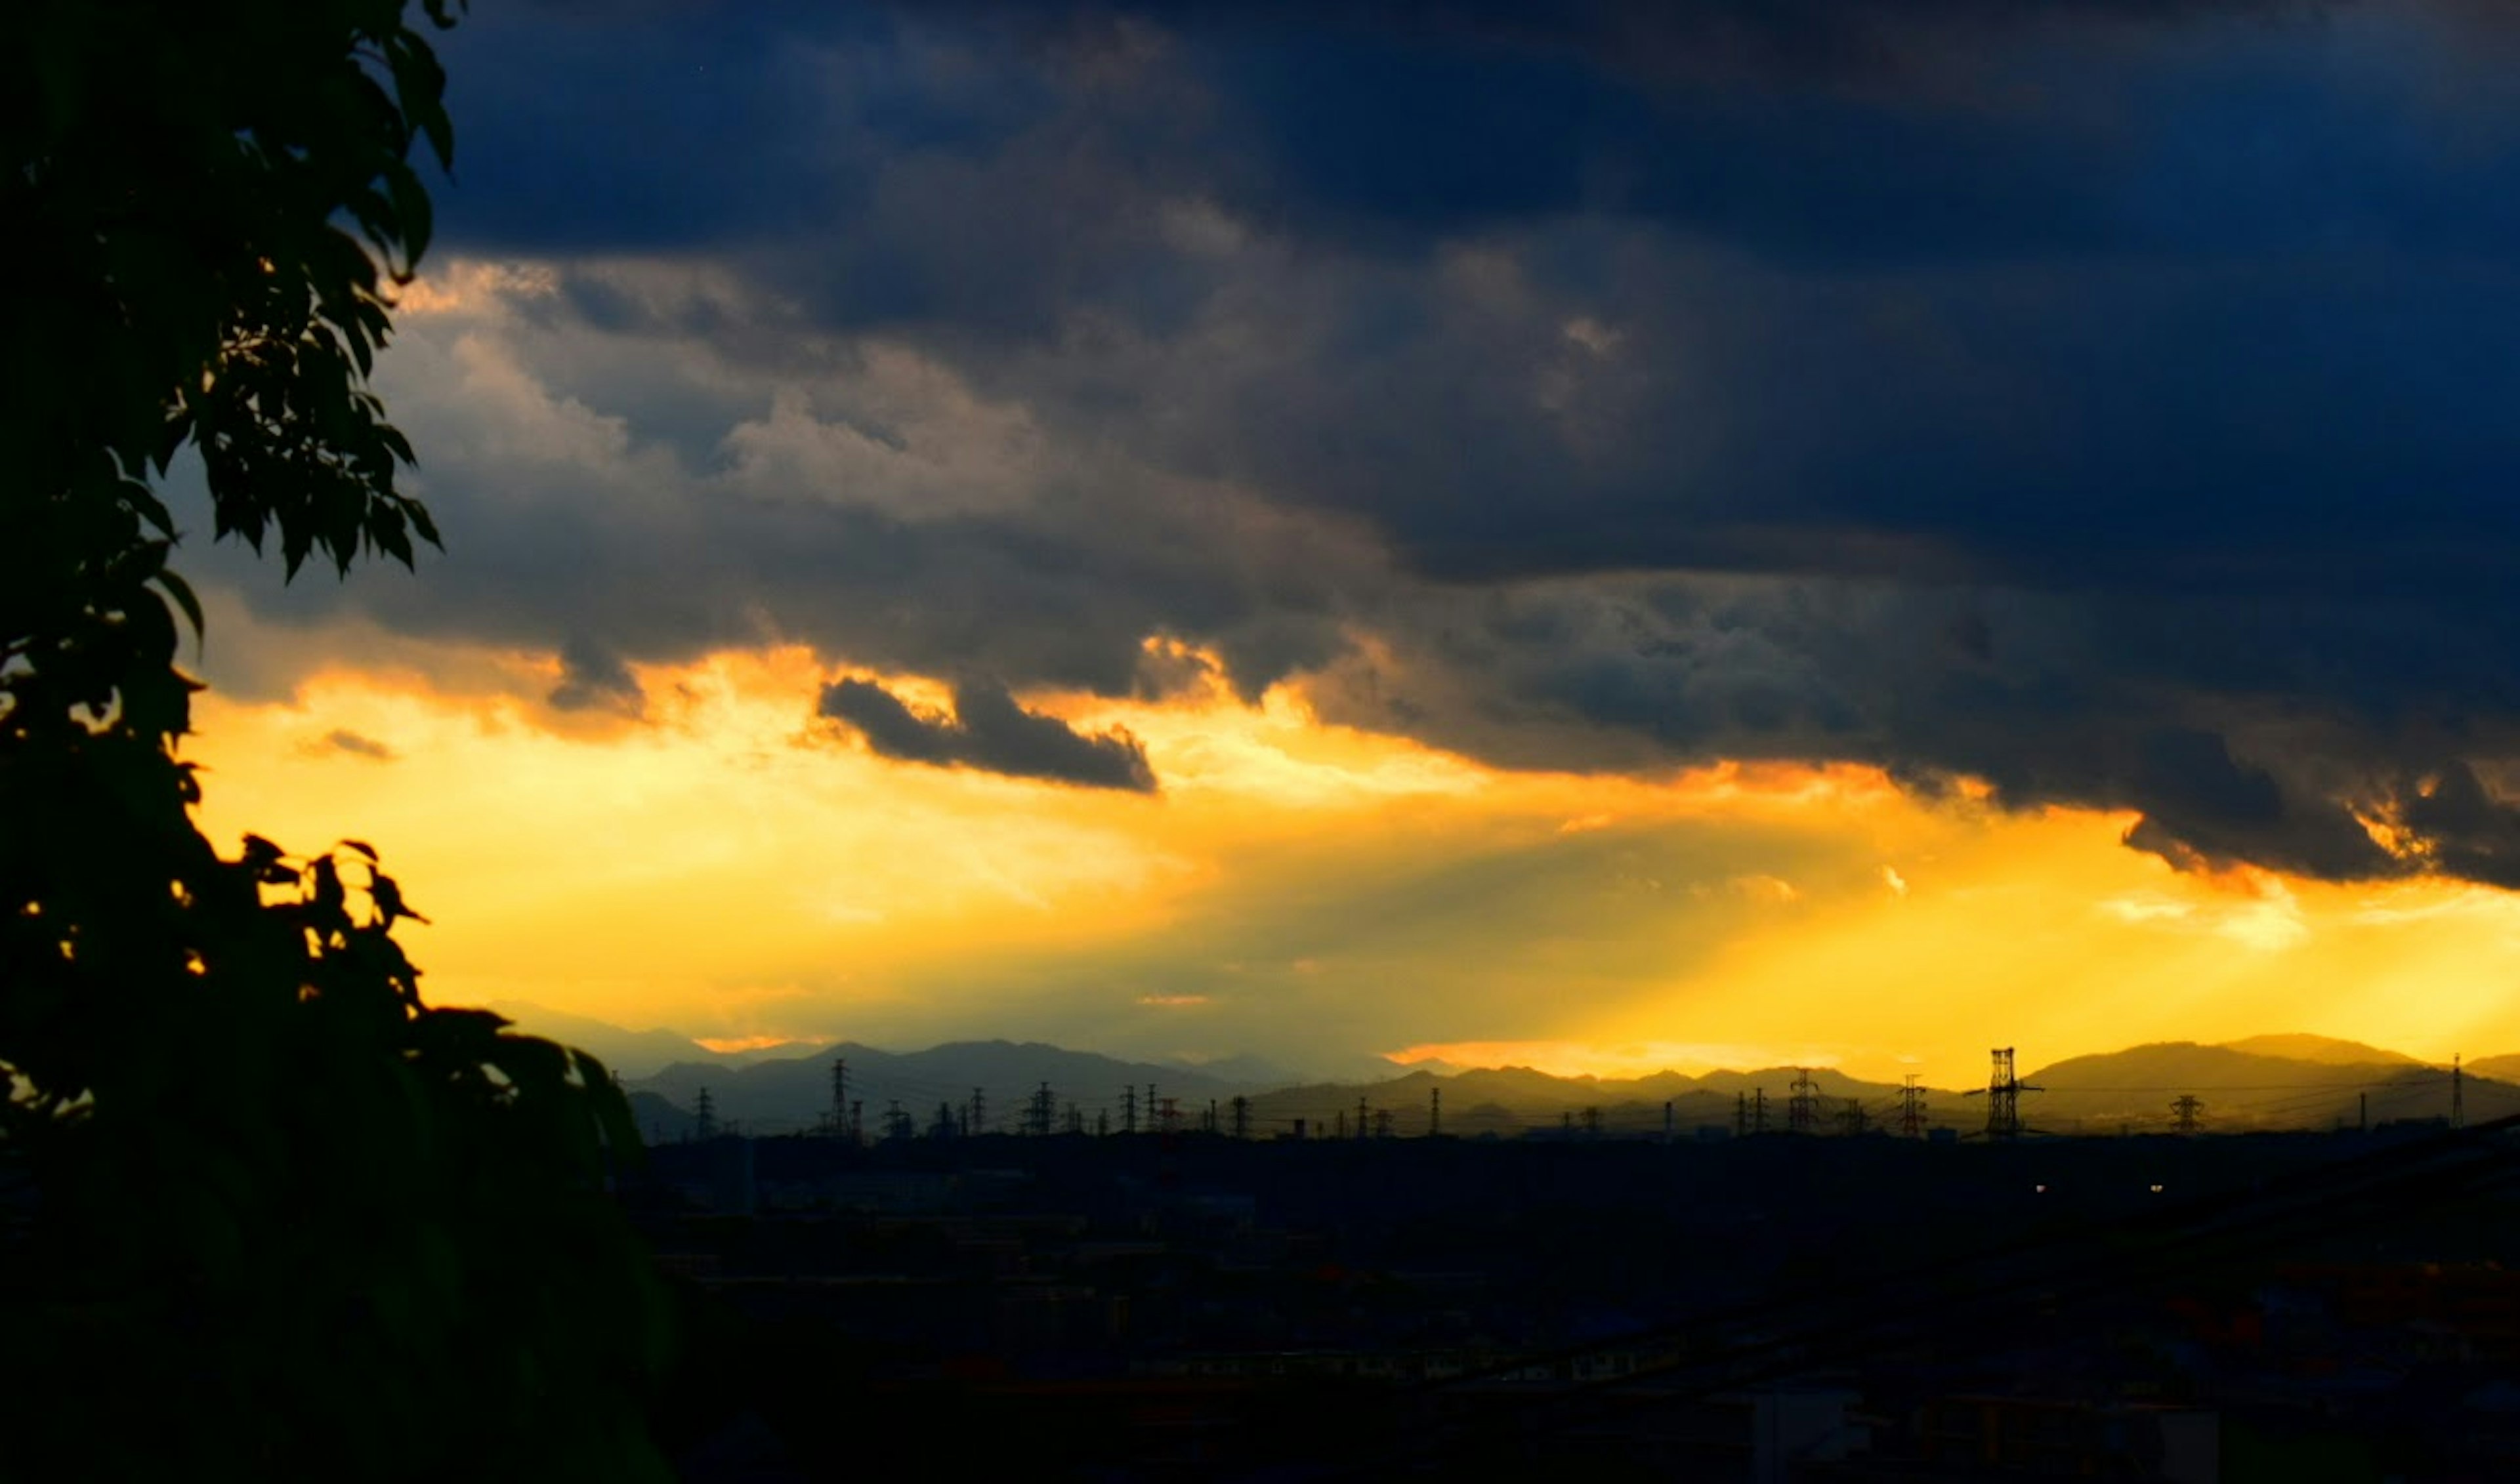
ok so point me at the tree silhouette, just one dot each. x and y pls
(263, 1213)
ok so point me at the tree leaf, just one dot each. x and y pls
(182, 592)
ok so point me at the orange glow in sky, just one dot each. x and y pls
(728, 866)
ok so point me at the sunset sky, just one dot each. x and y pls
(1596, 536)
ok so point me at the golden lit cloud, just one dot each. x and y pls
(727, 1045)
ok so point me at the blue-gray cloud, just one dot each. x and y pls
(990, 732)
(595, 678)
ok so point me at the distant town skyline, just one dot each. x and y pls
(1606, 540)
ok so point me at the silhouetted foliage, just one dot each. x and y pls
(262, 1212)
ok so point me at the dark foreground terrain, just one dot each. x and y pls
(2274, 1307)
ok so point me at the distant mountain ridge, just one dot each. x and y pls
(629, 1053)
(2242, 1089)
(2300, 1047)
(1517, 1099)
(783, 1094)
(2273, 1081)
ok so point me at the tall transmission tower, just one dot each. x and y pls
(2186, 1107)
(705, 1116)
(1434, 1112)
(1801, 1110)
(1851, 1120)
(1129, 1109)
(2003, 1090)
(978, 1121)
(839, 1097)
(1241, 1110)
(1911, 1109)
(1038, 1115)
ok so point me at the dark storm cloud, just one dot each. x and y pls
(356, 745)
(990, 732)
(595, 678)
(2266, 428)
(2469, 832)
(2047, 698)
(2104, 399)
(848, 130)
(2012, 334)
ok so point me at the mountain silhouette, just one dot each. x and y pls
(2505, 1068)
(2300, 1047)
(786, 1094)
(2263, 1082)
(1515, 1099)
(2241, 1090)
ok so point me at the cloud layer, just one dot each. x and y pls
(2104, 401)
